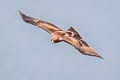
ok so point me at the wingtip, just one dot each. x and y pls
(21, 14)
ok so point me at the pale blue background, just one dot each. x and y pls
(26, 52)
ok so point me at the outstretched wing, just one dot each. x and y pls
(81, 46)
(74, 33)
(50, 28)
(87, 50)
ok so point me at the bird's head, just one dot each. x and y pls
(52, 41)
(56, 39)
(57, 36)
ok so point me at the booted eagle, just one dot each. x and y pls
(70, 36)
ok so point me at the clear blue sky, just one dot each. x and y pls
(26, 52)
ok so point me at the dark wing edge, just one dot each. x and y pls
(50, 28)
(81, 46)
(88, 50)
(75, 33)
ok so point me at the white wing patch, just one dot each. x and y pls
(60, 38)
(52, 34)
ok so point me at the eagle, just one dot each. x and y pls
(71, 36)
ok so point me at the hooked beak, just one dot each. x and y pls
(52, 41)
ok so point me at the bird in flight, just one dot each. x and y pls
(71, 36)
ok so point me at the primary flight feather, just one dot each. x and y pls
(70, 36)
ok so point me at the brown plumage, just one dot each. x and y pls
(70, 36)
